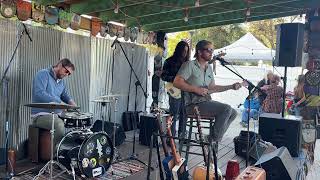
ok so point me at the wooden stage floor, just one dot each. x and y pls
(225, 153)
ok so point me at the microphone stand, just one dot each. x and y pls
(5, 90)
(250, 88)
(133, 156)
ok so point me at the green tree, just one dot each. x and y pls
(266, 31)
(221, 35)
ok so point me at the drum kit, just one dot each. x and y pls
(83, 152)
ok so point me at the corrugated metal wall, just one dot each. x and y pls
(93, 58)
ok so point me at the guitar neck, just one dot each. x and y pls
(175, 155)
(163, 142)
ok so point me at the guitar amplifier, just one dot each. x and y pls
(148, 125)
(282, 131)
(252, 173)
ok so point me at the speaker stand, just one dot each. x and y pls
(284, 91)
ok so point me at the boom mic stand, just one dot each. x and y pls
(138, 83)
(250, 88)
(5, 90)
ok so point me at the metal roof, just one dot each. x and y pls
(170, 15)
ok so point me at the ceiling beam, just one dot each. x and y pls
(178, 20)
(226, 22)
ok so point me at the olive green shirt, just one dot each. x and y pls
(192, 73)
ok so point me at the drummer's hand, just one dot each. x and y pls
(72, 103)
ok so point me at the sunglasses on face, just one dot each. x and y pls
(67, 71)
(210, 50)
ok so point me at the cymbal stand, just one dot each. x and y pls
(49, 164)
(115, 150)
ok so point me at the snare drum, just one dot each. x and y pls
(76, 119)
(90, 154)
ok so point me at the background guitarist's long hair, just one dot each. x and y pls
(177, 55)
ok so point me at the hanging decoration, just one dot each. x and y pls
(8, 8)
(51, 15)
(64, 19)
(23, 10)
(95, 26)
(38, 12)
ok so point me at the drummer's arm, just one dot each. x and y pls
(65, 97)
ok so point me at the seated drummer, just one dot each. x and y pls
(48, 86)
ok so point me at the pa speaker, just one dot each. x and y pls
(281, 131)
(279, 165)
(289, 44)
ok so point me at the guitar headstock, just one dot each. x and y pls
(169, 121)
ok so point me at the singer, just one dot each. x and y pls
(197, 80)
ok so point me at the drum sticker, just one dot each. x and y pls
(108, 150)
(99, 148)
(93, 162)
(103, 140)
(85, 162)
(97, 171)
(90, 148)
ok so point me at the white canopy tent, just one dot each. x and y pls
(247, 48)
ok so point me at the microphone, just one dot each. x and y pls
(222, 61)
(115, 41)
(26, 30)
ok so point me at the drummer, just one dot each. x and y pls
(48, 86)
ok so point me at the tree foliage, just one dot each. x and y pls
(221, 35)
(266, 31)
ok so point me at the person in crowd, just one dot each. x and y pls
(49, 87)
(263, 82)
(196, 79)
(255, 106)
(169, 71)
(273, 101)
(299, 95)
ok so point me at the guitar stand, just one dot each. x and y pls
(156, 135)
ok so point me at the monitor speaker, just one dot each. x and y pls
(281, 131)
(279, 165)
(289, 44)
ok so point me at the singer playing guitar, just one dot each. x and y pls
(197, 80)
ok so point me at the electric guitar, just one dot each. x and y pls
(180, 170)
(200, 172)
(173, 91)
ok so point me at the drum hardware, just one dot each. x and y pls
(50, 163)
(111, 98)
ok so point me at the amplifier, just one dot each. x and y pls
(281, 131)
(148, 125)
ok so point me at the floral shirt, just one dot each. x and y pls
(273, 101)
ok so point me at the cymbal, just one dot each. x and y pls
(102, 101)
(110, 96)
(51, 106)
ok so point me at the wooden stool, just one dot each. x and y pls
(39, 144)
(191, 118)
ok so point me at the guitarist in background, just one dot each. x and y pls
(170, 69)
(197, 80)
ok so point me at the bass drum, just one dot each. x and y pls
(90, 154)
